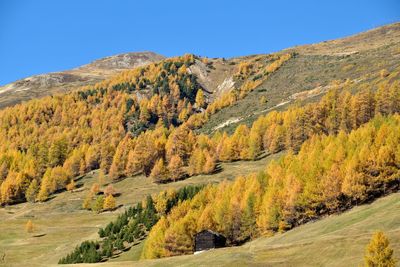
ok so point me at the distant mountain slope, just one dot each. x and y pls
(64, 81)
(308, 75)
(337, 240)
(371, 39)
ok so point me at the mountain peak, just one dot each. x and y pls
(123, 61)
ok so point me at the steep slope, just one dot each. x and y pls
(64, 81)
(337, 240)
(311, 72)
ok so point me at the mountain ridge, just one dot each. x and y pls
(64, 81)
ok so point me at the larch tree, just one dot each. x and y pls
(58, 152)
(109, 202)
(197, 162)
(32, 191)
(239, 143)
(200, 101)
(45, 186)
(255, 144)
(209, 165)
(3, 171)
(159, 173)
(107, 151)
(180, 143)
(378, 252)
(87, 202)
(175, 167)
(118, 165)
(29, 226)
(97, 206)
(95, 189)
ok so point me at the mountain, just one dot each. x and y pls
(65, 81)
(386, 35)
(309, 132)
(308, 75)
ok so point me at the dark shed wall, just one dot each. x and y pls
(208, 240)
(220, 241)
(204, 240)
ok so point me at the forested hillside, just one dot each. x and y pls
(329, 174)
(147, 148)
(48, 142)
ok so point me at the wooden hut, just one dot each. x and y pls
(208, 239)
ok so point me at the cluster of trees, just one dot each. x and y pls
(261, 66)
(99, 201)
(337, 110)
(87, 252)
(329, 174)
(164, 155)
(130, 227)
(46, 142)
(171, 154)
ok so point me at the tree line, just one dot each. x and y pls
(174, 153)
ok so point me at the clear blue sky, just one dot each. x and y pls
(51, 35)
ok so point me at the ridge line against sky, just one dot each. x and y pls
(46, 36)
